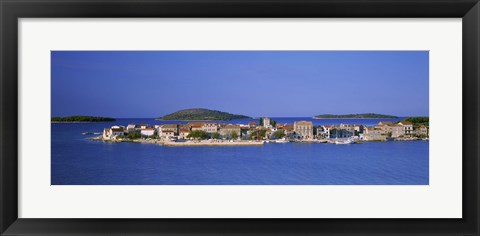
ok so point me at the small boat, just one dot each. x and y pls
(85, 133)
(347, 141)
(282, 141)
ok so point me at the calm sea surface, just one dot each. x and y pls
(76, 161)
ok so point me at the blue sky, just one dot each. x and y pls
(147, 84)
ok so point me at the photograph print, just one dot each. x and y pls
(240, 118)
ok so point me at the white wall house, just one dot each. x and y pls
(113, 132)
(210, 127)
(407, 127)
(167, 134)
(303, 129)
(147, 131)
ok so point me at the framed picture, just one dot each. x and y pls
(278, 117)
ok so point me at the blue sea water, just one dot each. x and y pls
(77, 161)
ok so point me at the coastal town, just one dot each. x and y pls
(199, 133)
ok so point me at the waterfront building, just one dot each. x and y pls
(345, 131)
(396, 130)
(227, 130)
(184, 131)
(168, 130)
(372, 133)
(303, 129)
(422, 130)
(320, 132)
(131, 127)
(167, 134)
(169, 127)
(195, 126)
(337, 132)
(148, 131)
(383, 127)
(113, 132)
(326, 130)
(252, 124)
(407, 127)
(358, 129)
(289, 131)
(391, 129)
(210, 127)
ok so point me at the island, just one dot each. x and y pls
(354, 116)
(201, 114)
(77, 119)
(251, 133)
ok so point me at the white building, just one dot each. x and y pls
(303, 129)
(149, 131)
(210, 127)
(113, 132)
(326, 130)
(131, 127)
(266, 122)
(373, 134)
(167, 134)
(407, 127)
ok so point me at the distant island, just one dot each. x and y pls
(82, 119)
(201, 114)
(353, 116)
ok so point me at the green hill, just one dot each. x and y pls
(201, 114)
(354, 116)
(418, 120)
(82, 119)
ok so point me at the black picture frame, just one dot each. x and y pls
(12, 10)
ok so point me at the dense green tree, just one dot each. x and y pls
(234, 135)
(273, 123)
(253, 135)
(278, 134)
(134, 135)
(417, 121)
(201, 114)
(198, 134)
(260, 121)
(216, 135)
(82, 119)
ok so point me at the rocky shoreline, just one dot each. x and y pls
(181, 144)
(198, 143)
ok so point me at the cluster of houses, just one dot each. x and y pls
(299, 130)
(380, 132)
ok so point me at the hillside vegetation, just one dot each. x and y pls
(82, 119)
(418, 121)
(201, 114)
